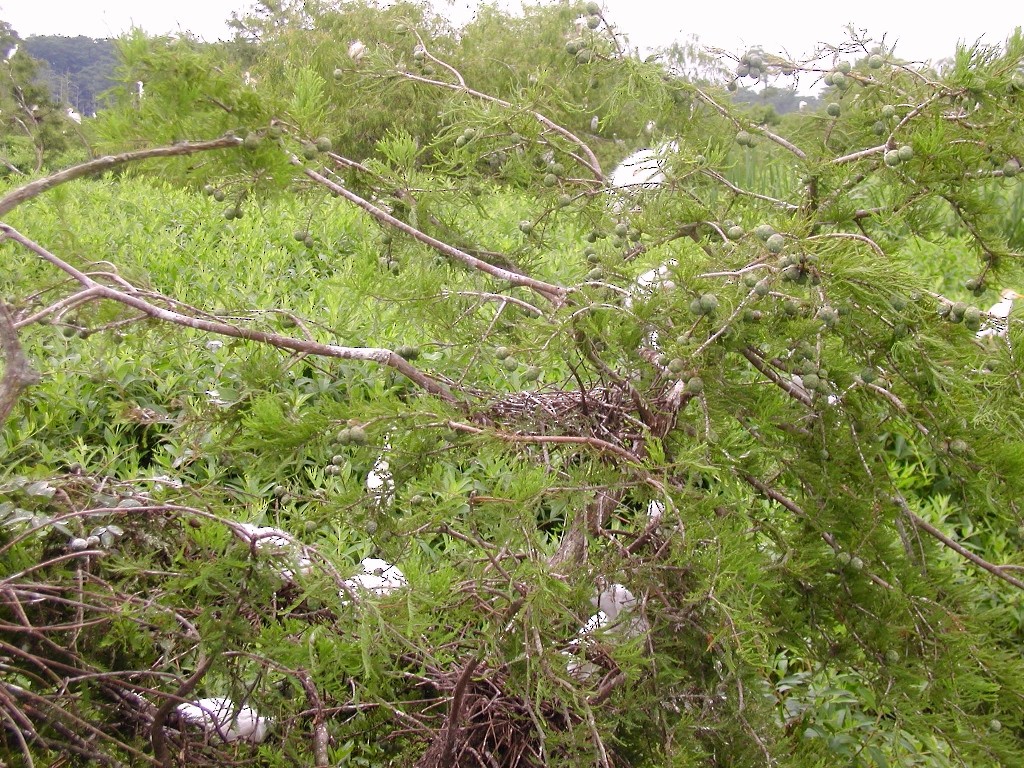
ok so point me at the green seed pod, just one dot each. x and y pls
(708, 303)
(906, 152)
(695, 385)
(775, 243)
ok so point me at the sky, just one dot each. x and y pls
(794, 26)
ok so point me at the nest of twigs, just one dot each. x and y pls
(485, 725)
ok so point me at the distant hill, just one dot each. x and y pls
(78, 69)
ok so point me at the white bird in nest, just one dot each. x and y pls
(219, 715)
(277, 544)
(378, 577)
(998, 319)
(615, 604)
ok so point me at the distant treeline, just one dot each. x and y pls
(77, 69)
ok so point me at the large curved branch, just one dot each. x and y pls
(554, 293)
(26, 192)
(128, 298)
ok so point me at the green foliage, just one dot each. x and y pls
(428, 333)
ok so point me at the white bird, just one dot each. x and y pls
(74, 116)
(612, 601)
(356, 50)
(219, 715)
(380, 483)
(999, 314)
(274, 542)
(646, 284)
(641, 170)
(655, 511)
(378, 577)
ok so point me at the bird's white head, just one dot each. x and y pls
(613, 599)
(1010, 294)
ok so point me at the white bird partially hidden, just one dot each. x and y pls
(616, 606)
(378, 577)
(380, 483)
(644, 169)
(276, 545)
(356, 50)
(221, 717)
(647, 284)
(998, 320)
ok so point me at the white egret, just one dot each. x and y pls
(616, 606)
(356, 50)
(277, 544)
(998, 319)
(380, 483)
(644, 169)
(219, 715)
(378, 577)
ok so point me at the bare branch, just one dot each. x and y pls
(370, 354)
(35, 188)
(553, 293)
(946, 541)
(591, 162)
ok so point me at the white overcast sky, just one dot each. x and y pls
(919, 31)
